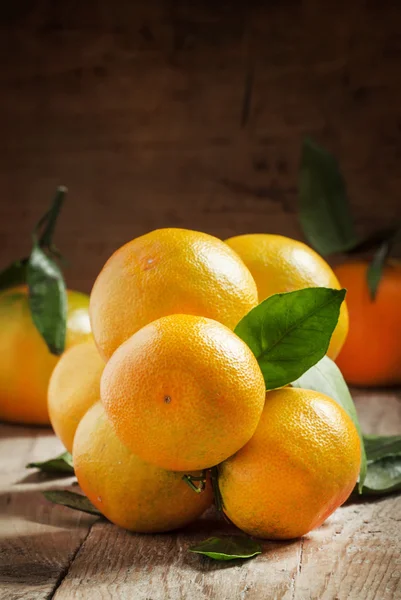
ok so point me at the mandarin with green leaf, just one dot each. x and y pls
(25, 360)
(280, 264)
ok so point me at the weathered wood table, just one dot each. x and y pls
(48, 551)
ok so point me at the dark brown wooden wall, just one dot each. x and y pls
(138, 107)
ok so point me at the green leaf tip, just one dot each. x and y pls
(383, 477)
(228, 548)
(44, 230)
(384, 465)
(72, 500)
(382, 446)
(376, 267)
(278, 331)
(61, 464)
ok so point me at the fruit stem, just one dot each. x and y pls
(214, 474)
(190, 479)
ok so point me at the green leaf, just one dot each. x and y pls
(288, 333)
(228, 547)
(326, 377)
(384, 464)
(47, 299)
(376, 267)
(72, 500)
(49, 220)
(14, 274)
(383, 477)
(382, 446)
(59, 464)
(324, 209)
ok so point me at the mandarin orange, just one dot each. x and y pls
(301, 464)
(183, 393)
(25, 361)
(73, 388)
(165, 272)
(371, 355)
(280, 264)
(128, 491)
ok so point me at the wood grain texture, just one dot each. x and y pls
(37, 541)
(164, 113)
(52, 552)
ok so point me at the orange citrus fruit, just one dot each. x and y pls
(280, 264)
(25, 361)
(371, 355)
(128, 491)
(74, 387)
(183, 393)
(165, 272)
(301, 464)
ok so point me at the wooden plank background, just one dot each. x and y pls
(138, 107)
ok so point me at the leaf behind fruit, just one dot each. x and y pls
(378, 262)
(326, 377)
(47, 299)
(324, 208)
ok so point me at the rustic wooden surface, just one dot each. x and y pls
(175, 113)
(48, 551)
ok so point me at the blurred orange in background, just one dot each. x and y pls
(371, 355)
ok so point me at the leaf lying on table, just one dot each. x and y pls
(228, 547)
(289, 333)
(384, 464)
(72, 500)
(326, 377)
(59, 464)
(383, 477)
(382, 446)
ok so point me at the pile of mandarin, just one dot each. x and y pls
(166, 408)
